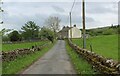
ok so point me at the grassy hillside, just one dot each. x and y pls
(109, 30)
(104, 45)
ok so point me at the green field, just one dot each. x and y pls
(106, 45)
(81, 66)
(9, 47)
(21, 63)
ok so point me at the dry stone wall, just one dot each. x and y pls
(12, 55)
(103, 64)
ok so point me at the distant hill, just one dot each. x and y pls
(109, 30)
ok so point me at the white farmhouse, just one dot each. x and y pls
(65, 32)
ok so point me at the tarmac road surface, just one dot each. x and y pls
(55, 61)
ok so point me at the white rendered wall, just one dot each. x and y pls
(76, 33)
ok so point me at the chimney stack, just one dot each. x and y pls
(74, 25)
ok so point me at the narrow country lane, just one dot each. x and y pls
(55, 61)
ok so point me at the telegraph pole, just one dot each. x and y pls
(84, 35)
(70, 26)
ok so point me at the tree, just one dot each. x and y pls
(118, 29)
(30, 30)
(3, 31)
(47, 33)
(5, 38)
(14, 36)
(53, 23)
(4, 35)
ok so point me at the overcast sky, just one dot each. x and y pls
(98, 14)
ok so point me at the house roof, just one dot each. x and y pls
(64, 29)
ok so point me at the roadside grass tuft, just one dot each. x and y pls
(81, 66)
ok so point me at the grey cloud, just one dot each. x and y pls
(119, 13)
(89, 19)
(24, 4)
(58, 9)
(100, 7)
(75, 19)
(97, 7)
(19, 21)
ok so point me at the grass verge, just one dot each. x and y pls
(20, 63)
(9, 47)
(81, 66)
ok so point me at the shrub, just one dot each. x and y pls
(47, 33)
(14, 36)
